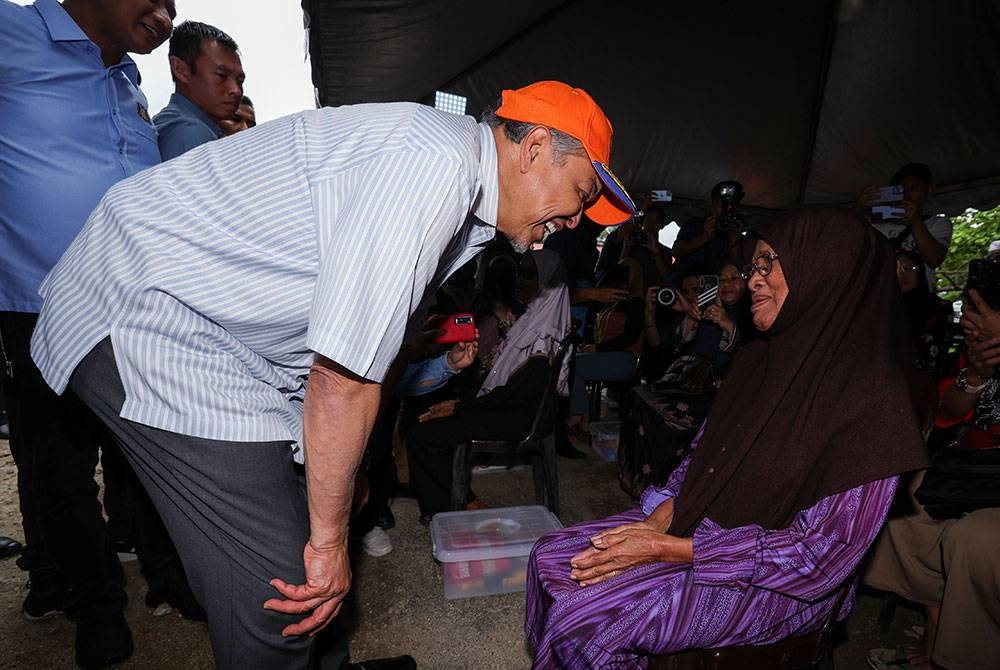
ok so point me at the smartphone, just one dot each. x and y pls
(887, 213)
(889, 193)
(984, 277)
(457, 328)
(708, 290)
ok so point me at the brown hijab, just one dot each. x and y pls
(820, 403)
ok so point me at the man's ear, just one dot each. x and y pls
(534, 144)
(180, 69)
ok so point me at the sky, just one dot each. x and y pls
(272, 47)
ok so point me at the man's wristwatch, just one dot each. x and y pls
(962, 383)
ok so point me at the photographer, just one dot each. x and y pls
(928, 235)
(638, 239)
(711, 332)
(711, 240)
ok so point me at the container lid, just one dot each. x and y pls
(500, 532)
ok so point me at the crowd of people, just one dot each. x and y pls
(240, 353)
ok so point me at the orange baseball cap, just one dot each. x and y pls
(571, 110)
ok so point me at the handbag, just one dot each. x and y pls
(689, 374)
(960, 480)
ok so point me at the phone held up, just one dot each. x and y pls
(708, 291)
(984, 278)
(456, 327)
(883, 208)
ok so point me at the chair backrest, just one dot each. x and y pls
(544, 419)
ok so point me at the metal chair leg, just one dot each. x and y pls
(461, 474)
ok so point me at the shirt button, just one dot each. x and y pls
(723, 448)
(711, 470)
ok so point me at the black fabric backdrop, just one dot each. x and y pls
(801, 101)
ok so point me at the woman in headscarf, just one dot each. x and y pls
(929, 316)
(518, 349)
(753, 536)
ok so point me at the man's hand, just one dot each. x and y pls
(340, 409)
(438, 411)
(911, 213)
(867, 199)
(328, 579)
(651, 300)
(463, 354)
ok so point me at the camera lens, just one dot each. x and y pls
(666, 296)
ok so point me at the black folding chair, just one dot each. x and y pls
(539, 445)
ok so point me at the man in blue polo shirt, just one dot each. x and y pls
(208, 80)
(72, 123)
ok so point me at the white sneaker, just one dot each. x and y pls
(376, 542)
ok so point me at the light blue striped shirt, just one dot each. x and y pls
(218, 274)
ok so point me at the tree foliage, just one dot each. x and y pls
(971, 237)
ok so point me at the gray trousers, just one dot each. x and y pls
(238, 515)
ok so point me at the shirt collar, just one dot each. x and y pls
(62, 28)
(485, 211)
(179, 100)
(486, 207)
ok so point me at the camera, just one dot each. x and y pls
(666, 296)
(729, 194)
(708, 291)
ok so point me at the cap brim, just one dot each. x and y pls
(613, 206)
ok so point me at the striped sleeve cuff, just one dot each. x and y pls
(725, 557)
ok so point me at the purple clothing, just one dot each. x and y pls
(747, 585)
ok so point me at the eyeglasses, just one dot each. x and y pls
(909, 268)
(762, 265)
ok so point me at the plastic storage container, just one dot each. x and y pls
(484, 552)
(604, 437)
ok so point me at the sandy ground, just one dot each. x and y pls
(397, 604)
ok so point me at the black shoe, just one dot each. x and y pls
(103, 641)
(169, 585)
(385, 520)
(394, 663)
(567, 450)
(9, 547)
(46, 595)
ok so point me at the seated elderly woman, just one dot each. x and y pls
(753, 536)
(516, 350)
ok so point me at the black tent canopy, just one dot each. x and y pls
(801, 101)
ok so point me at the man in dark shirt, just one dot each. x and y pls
(208, 78)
